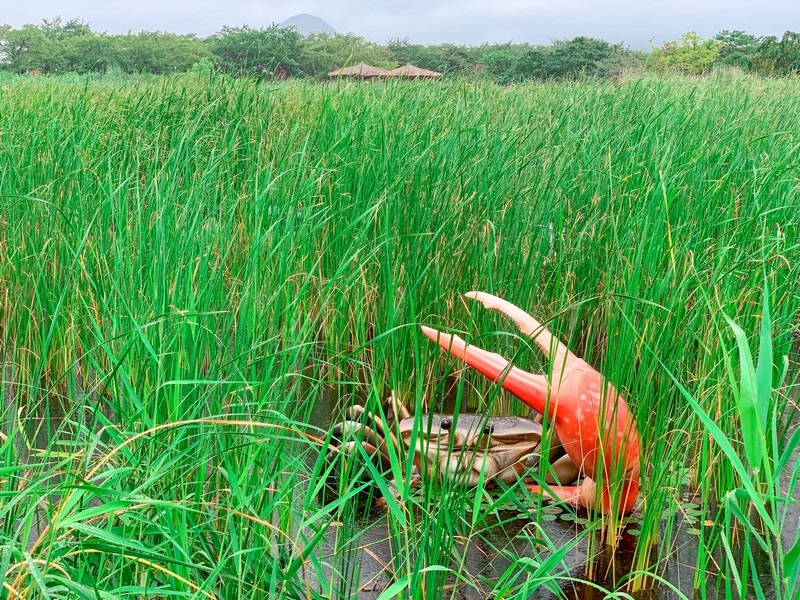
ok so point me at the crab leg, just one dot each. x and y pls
(395, 410)
(359, 414)
(584, 494)
(353, 429)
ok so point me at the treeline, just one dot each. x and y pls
(57, 46)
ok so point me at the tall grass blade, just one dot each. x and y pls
(753, 431)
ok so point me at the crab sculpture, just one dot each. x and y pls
(591, 418)
(462, 448)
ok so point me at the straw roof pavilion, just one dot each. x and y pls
(361, 70)
(411, 72)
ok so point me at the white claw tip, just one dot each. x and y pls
(430, 332)
(476, 295)
(482, 297)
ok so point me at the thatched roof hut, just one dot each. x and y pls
(361, 70)
(411, 72)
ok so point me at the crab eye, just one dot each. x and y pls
(488, 429)
(446, 424)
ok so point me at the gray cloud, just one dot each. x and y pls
(433, 21)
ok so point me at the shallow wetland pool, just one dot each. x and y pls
(512, 531)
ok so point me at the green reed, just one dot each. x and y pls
(187, 267)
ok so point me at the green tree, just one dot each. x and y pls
(203, 68)
(157, 52)
(580, 56)
(89, 53)
(449, 59)
(536, 63)
(775, 56)
(62, 37)
(502, 61)
(259, 51)
(326, 52)
(736, 48)
(403, 52)
(56, 29)
(691, 54)
(27, 49)
(622, 62)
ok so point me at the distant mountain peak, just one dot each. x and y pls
(307, 24)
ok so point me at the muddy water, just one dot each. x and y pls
(482, 561)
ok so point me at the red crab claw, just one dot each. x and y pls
(591, 418)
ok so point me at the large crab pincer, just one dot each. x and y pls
(590, 417)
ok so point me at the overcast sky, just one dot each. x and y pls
(432, 21)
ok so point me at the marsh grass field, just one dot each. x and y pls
(189, 268)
